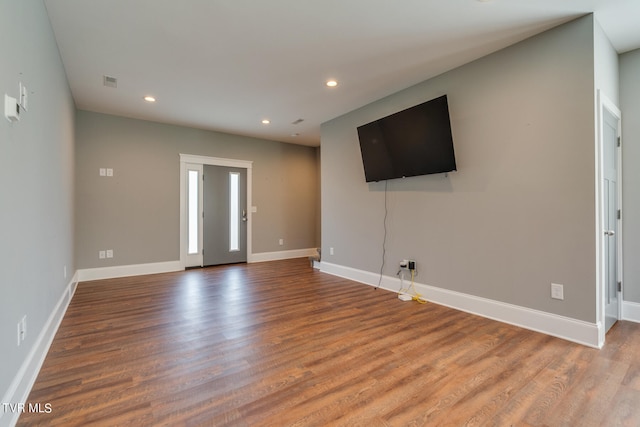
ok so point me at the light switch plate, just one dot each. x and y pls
(23, 97)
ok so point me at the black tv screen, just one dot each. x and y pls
(415, 141)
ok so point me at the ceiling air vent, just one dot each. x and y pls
(109, 81)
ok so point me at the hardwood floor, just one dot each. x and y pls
(279, 344)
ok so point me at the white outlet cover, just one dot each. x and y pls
(109, 172)
(102, 255)
(109, 253)
(557, 291)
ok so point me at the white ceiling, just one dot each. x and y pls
(227, 64)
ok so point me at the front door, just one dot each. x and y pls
(611, 206)
(225, 215)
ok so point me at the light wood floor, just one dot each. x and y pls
(278, 344)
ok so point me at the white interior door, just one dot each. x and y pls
(611, 218)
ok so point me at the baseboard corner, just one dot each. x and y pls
(26, 376)
(566, 328)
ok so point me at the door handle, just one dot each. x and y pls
(609, 233)
(244, 215)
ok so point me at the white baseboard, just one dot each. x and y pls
(631, 311)
(128, 270)
(275, 256)
(171, 266)
(578, 331)
(22, 383)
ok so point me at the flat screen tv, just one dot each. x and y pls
(415, 141)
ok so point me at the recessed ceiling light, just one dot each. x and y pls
(150, 98)
(332, 83)
(265, 121)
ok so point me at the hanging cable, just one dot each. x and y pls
(416, 295)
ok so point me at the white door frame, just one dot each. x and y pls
(605, 104)
(186, 159)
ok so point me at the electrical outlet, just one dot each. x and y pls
(281, 242)
(102, 254)
(557, 291)
(409, 264)
(109, 253)
(330, 251)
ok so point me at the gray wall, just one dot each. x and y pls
(36, 181)
(630, 103)
(606, 67)
(136, 213)
(520, 212)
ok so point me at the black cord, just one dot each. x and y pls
(384, 240)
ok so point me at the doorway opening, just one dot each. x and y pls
(609, 239)
(215, 227)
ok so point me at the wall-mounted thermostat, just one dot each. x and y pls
(11, 108)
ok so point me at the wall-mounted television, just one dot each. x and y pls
(415, 141)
